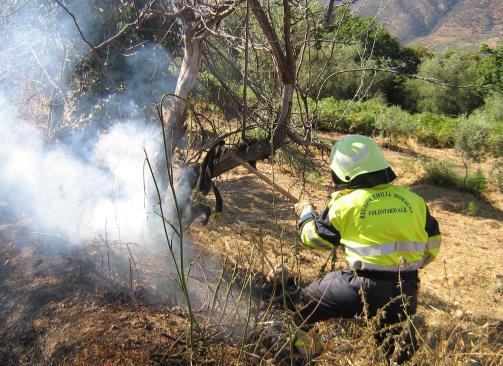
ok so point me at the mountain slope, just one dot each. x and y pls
(438, 23)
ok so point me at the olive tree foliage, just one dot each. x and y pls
(472, 135)
(491, 69)
(459, 93)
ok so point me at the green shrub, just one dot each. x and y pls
(495, 139)
(452, 67)
(372, 117)
(362, 117)
(476, 184)
(393, 121)
(472, 136)
(491, 118)
(328, 112)
(479, 133)
(435, 130)
(441, 173)
(493, 106)
(472, 208)
(331, 116)
(472, 140)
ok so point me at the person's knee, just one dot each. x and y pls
(329, 297)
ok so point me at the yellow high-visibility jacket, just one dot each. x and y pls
(382, 228)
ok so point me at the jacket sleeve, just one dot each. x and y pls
(434, 238)
(318, 233)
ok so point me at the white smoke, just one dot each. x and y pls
(94, 189)
(78, 181)
(85, 188)
(104, 197)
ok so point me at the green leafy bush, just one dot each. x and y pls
(490, 70)
(471, 137)
(472, 208)
(477, 183)
(493, 112)
(480, 133)
(362, 117)
(394, 121)
(493, 106)
(495, 140)
(435, 130)
(441, 173)
(471, 140)
(454, 68)
(331, 115)
(329, 112)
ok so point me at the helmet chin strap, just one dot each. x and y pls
(365, 180)
(340, 185)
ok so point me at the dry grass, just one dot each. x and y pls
(83, 317)
(459, 296)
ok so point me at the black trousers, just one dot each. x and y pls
(342, 294)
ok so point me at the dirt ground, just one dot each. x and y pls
(62, 308)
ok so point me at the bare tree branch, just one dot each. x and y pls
(76, 24)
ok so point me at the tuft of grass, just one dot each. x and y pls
(496, 288)
(472, 208)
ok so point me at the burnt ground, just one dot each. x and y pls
(57, 306)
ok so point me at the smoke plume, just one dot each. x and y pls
(73, 166)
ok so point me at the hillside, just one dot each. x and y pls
(439, 24)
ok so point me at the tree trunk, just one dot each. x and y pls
(285, 67)
(329, 14)
(191, 64)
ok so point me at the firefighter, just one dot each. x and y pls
(387, 234)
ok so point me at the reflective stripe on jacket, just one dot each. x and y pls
(384, 228)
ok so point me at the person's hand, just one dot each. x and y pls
(300, 205)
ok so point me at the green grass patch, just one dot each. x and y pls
(443, 174)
